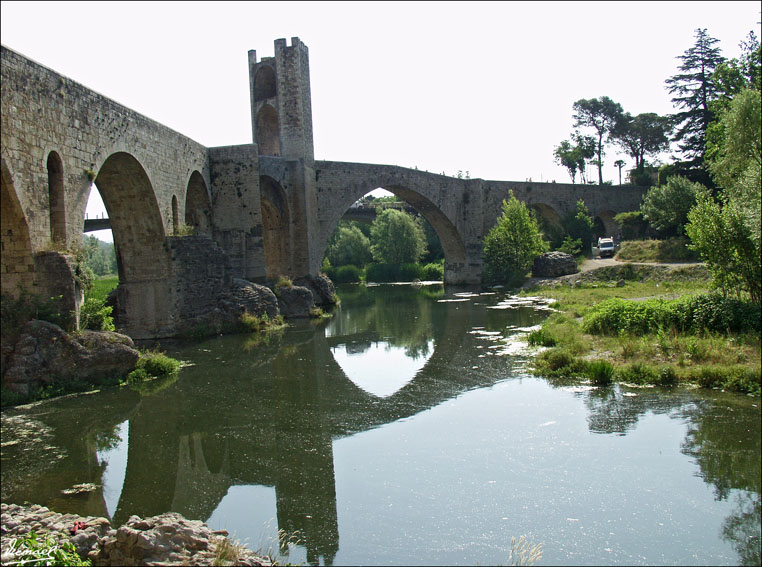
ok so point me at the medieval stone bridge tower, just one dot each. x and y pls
(259, 210)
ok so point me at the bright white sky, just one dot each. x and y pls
(485, 87)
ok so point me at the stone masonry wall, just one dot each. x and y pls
(43, 111)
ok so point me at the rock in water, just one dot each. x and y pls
(45, 353)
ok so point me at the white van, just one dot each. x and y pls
(606, 247)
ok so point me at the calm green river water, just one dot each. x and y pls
(405, 430)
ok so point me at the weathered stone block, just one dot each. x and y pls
(553, 265)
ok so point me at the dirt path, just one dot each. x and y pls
(595, 263)
(592, 264)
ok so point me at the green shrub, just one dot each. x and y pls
(541, 337)
(433, 271)
(410, 272)
(667, 376)
(394, 272)
(346, 274)
(137, 376)
(696, 314)
(637, 373)
(600, 372)
(16, 311)
(558, 361)
(569, 246)
(157, 364)
(33, 549)
(95, 315)
(740, 379)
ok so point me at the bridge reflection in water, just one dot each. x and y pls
(267, 415)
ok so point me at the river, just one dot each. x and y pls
(405, 430)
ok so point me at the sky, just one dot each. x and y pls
(484, 88)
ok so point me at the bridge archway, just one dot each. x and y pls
(56, 198)
(16, 245)
(276, 221)
(138, 231)
(451, 240)
(605, 225)
(198, 206)
(549, 221)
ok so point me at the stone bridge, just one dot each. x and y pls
(258, 210)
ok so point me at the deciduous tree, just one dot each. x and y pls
(666, 206)
(397, 238)
(600, 114)
(512, 244)
(640, 136)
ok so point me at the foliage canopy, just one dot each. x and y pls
(512, 244)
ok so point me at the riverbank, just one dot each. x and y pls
(663, 353)
(167, 539)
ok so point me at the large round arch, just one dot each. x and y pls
(139, 238)
(17, 258)
(276, 219)
(198, 206)
(451, 240)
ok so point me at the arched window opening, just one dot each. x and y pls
(198, 209)
(268, 135)
(56, 199)
(175, 221)
(264, 83)
(275, 225)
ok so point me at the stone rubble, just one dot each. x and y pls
(167, 539)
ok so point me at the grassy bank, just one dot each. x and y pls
(649, 331)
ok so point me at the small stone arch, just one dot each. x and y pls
(265, 84)
(549, 220)
(605, 225)
(198, 208)
(268, 131)
(276, 221)
(56, 200)
(17, 262)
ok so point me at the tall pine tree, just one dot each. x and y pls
(694, 90)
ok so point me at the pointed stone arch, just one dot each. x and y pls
(265, 84)
(17, 262)
(198, 206)
(276, 223)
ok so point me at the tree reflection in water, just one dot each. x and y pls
(726, 450)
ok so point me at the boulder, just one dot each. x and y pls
(295, 301)
(167, 539)
(553, 265)
(44, 353)
(243, 296)
(321, 286)
(253, 298)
